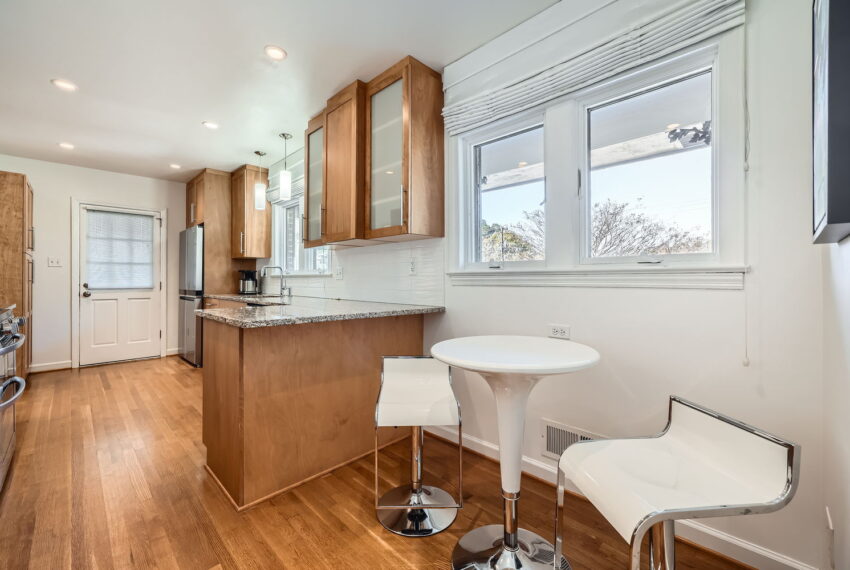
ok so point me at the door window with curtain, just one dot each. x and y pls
(119, 250)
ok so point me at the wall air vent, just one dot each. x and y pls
(557, 437)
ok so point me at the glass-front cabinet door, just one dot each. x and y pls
(314, 180)
(386, 148)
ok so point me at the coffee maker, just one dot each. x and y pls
(248, 282)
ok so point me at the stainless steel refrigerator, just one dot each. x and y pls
(191, 294)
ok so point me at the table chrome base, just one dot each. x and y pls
(416, 521)
(481, 549)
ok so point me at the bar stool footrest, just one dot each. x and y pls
(426, 513)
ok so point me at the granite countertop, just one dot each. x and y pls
(309, 310)
(253, 299)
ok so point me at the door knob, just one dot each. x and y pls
(86, 293)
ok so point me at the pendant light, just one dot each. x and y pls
(259, 185)
(280, 190)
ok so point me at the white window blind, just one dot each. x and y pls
(680, 25)
(119, 250)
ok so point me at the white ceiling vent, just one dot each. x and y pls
(557, 437)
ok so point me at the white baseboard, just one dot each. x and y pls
(716, 540)
(172, 351)
(48, 366)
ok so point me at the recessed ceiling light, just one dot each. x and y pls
(175, 166)
(66, 145)
(523, 163)
(390, 172)
(275, 52)
(210, 125)
(64, 84)
(672, 126)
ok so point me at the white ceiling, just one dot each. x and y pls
(149, 72)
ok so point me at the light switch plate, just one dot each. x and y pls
(338, 272)
(54, 262)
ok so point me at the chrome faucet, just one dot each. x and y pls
(284, 290)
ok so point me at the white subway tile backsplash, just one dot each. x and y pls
(381, 273)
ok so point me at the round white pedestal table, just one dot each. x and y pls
(511, 365)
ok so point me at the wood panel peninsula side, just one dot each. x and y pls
(289, 390)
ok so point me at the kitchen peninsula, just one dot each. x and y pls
(289, 390)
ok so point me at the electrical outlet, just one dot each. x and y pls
(411, 268)
(338, 273)
(559, 331)
(54, 262)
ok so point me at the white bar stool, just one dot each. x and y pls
(703, 464)
(417, 391)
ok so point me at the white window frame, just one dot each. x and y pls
(278, 247)
(472, 230)
(567, 205)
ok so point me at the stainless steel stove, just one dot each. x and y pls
(11, 386)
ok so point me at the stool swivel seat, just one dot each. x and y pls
(417, 391)
(704, 464)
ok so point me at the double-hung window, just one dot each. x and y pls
(643, 173)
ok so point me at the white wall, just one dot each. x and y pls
(54, 186)
(689, 342)
(836, 395)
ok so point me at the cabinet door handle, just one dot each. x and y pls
(241, 242)
(32, 238)
(403, 209)
(192, 211)
(304, 236)
(323, 221)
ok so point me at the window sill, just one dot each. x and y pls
(682, 277)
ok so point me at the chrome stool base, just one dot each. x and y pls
(482, 549)
(416, 521)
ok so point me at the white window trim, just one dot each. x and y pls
(566, 265)
(471, 230)
(277, 256)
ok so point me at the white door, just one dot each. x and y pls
(119, 289)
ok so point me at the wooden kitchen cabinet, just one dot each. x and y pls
(314, 181)
(17, 243)
(251, 214)
(404, 181)
(195, 191)
(344, 162)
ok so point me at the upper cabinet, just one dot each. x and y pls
(375, 161)
(195, 200)
(314, 181)
(344, 163)
(404, 153)
(251, 215)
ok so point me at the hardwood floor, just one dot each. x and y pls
(109, 474)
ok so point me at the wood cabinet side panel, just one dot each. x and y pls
(13, 188)
(307, 408)
(222, 406)
(190, 200)
(426, 153)
(198, 195)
